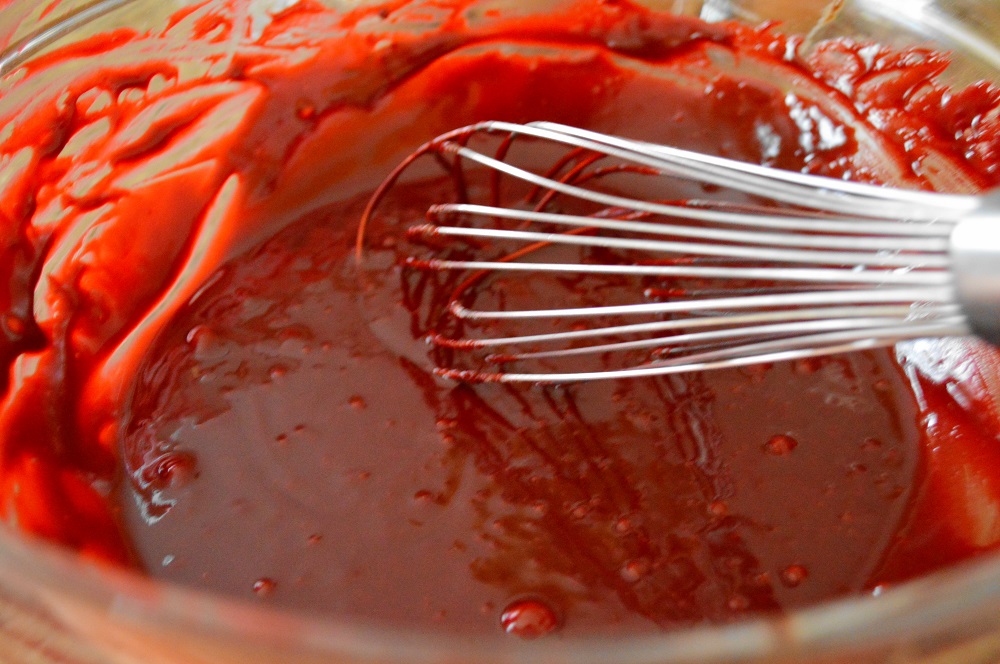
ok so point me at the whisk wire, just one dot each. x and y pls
(732, 319)
(854, 242)
(800, 221)
(812, 254)
(746, 302)
(813, 191)
(896, 277)
(684, 342)
(813, 265)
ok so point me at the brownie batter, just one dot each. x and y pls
(203, 384)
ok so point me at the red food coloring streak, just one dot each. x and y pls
(738, 603)
(264, 586)
(635, 570)
(306, 111)
(780, 445)
(793, 575)
(14, 325)
(528, 619)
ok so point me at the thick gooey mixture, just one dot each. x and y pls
(201, 385)
(273, 425)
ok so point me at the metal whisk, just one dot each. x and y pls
(749, 264)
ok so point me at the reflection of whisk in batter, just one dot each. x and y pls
(737, 264)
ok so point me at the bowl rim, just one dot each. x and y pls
(929, 608)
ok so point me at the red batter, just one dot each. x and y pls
(199, 384)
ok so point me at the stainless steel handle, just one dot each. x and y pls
(975, 254)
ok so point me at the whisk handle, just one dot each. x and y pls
(975, 254)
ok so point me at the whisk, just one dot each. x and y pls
(775, 265)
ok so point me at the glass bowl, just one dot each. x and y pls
(54, 606)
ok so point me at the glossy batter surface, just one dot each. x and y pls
(202, 385)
